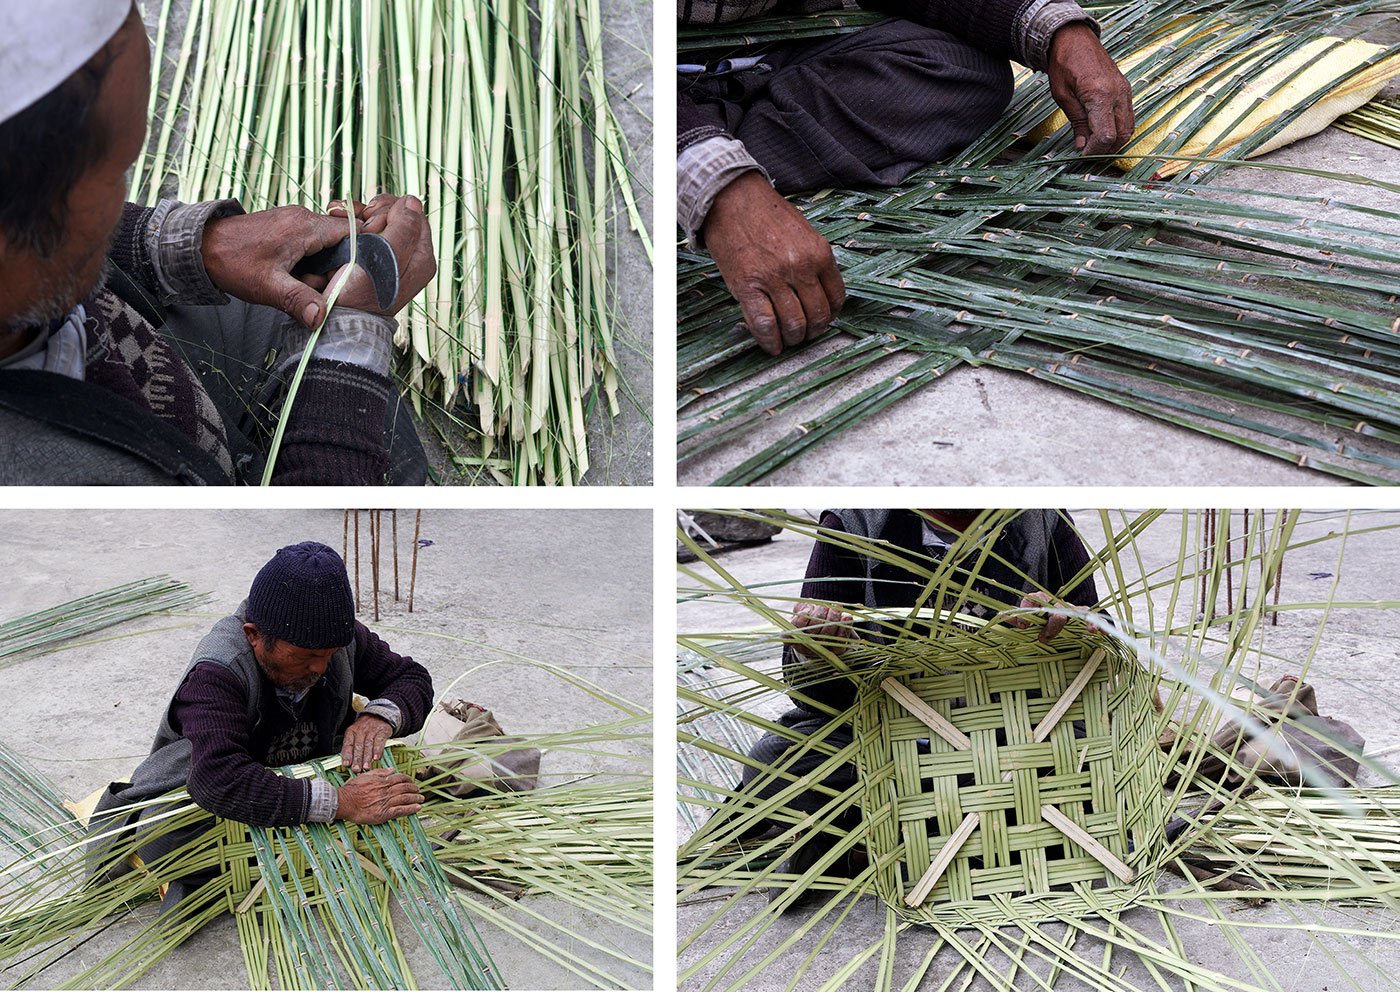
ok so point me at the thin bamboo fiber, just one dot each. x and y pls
(510, 143)
(1099, 765)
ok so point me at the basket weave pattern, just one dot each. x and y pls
(1098, 765)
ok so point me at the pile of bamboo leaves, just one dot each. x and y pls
(1251, 872)
(316, 906)
(496, 116)
(1262, 318)
(54, 627)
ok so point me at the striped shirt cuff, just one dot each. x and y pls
(355, 337)
(702, 170)
(385, 709)
(174, 239)
(325, 802)
(1037, 24)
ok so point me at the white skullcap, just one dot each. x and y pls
(43, 42)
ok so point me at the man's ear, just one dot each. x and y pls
(250, 631)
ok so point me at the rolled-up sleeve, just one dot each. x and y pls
(1038, 23)
(174, 242)
(702, 170)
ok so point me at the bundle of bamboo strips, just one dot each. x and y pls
(1378, 120)
(45, 630)
(496, 116)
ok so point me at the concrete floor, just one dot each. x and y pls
(987, 426)
(572, 588)
(1352, 668)
(620, 448)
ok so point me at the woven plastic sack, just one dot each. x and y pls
(1242, 94)
(988, 809)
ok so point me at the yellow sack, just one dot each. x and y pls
(1349, 72)
(82, 811)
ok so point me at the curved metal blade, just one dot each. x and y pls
(373, 254)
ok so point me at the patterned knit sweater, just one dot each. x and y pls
(335, 430)
(230, 763)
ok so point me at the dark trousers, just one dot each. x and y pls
(861, 109)
(237, 351)
(771, 752)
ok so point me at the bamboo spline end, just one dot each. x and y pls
(1082, 837)
(941, 861)
(1063, 704)
(934, 720)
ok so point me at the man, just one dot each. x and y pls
(865, 108)
(1033, 561)
(272, 685)
(154, 345)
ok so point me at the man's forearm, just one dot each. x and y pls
(703, 170)
(161, 248)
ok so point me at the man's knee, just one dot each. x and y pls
(871, 108)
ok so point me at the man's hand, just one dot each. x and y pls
(378, 796)
(775, 264)
(822, 621)
(1054, 622)
(1091, 91)
(400, 220)
(364, 742)
(251, 257)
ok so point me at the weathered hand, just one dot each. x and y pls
(1086, 83)
(822, 621)
(364, 742)
(1054, 622)
(251, 257)
(378, 796)
(400, 220)
(775, 264)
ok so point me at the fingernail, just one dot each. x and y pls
(414, 204)
(308, 316)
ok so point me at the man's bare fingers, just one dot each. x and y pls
(1103, 128)
(1123, 117)
(317, 231)
(1053, 625)
(834, 287)
(762, 324)
(816, 307)
(792, 321)
(337, 208)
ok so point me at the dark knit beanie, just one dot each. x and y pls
(302, 596)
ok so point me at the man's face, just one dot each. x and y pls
(286, 665)
(34, 289)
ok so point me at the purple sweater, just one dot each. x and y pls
(228, 763)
